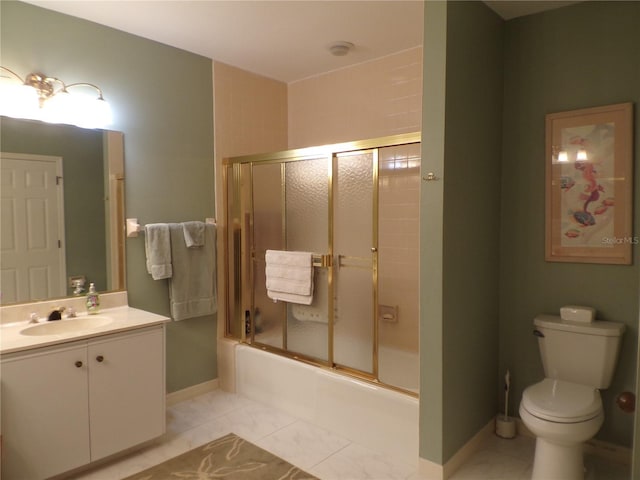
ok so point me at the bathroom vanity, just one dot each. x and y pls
(69, 399)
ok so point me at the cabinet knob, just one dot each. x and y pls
(78, 364)
(100, 358)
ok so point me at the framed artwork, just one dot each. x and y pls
(589, 185)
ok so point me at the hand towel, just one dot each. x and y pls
(193, 234)
(192, 288)
(157, 248)
(289, 276)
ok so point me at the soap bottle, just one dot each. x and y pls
(93, 300)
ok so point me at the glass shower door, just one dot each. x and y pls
(307, 230)
(268, 234)
(355, 259)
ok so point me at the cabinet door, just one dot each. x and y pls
(45, 417)
(126, 391)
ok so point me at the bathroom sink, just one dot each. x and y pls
(70, 325)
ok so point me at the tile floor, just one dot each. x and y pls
(321, 453)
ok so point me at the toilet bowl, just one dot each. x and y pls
(562, 416)
(565, 409)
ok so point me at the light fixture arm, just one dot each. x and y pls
(85, 84)
(12, 73)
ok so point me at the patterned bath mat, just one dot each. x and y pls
(228, 458)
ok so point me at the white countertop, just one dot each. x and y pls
(122, 318)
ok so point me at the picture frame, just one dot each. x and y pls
(589, 168)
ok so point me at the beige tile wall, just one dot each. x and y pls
(250, 116)
(250, 112)
(373, 99)
(254, 114)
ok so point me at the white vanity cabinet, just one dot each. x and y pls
(68, 405)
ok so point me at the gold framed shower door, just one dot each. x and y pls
(241, 255)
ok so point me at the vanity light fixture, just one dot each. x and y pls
(40, 97)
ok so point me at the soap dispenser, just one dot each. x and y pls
(93, 300)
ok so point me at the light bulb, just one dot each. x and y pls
(18, 101)
(58, 109)
(582, 155)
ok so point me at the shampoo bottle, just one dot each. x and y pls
(93, 300)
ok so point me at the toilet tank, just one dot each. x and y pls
(584, 353)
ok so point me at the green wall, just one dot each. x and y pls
(431, 232)
(162, 99)
(574, 57)
(83, 182)
(487, 87)
(459, 254)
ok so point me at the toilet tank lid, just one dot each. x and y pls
(599, 327)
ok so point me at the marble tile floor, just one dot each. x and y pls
(318, 451)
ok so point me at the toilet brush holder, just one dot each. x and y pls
(505, 426)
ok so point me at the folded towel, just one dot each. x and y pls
(192, 288)
(157, 248)
(289, 276)
(193, 234)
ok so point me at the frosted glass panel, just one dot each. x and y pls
(307, 205)
(267, 234)
(234, 234)
(353, 330)
(307, 221)
(353, 204)
(353, 277)
(398, 265)
(308, 325)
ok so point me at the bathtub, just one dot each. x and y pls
(398, 368)
(378, 418)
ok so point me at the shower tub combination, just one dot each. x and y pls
(356, 207)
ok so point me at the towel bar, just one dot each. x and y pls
(134, 228)
(319, 260)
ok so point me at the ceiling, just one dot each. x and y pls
(513, 9)
(283, 40)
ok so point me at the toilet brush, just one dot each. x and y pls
(505, 426)
(507, 384)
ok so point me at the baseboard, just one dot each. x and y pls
(606, 450)
(469, 448)
(429, 470)
(190, 392)
(432, 471)
(609, 451)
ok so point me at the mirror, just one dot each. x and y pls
(62, 217)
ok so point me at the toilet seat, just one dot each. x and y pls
(562, 402)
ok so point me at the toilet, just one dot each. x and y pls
(565, 409)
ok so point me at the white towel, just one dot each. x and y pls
(192, 288)
(289, 276)
(157, 248)
(193, 234)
